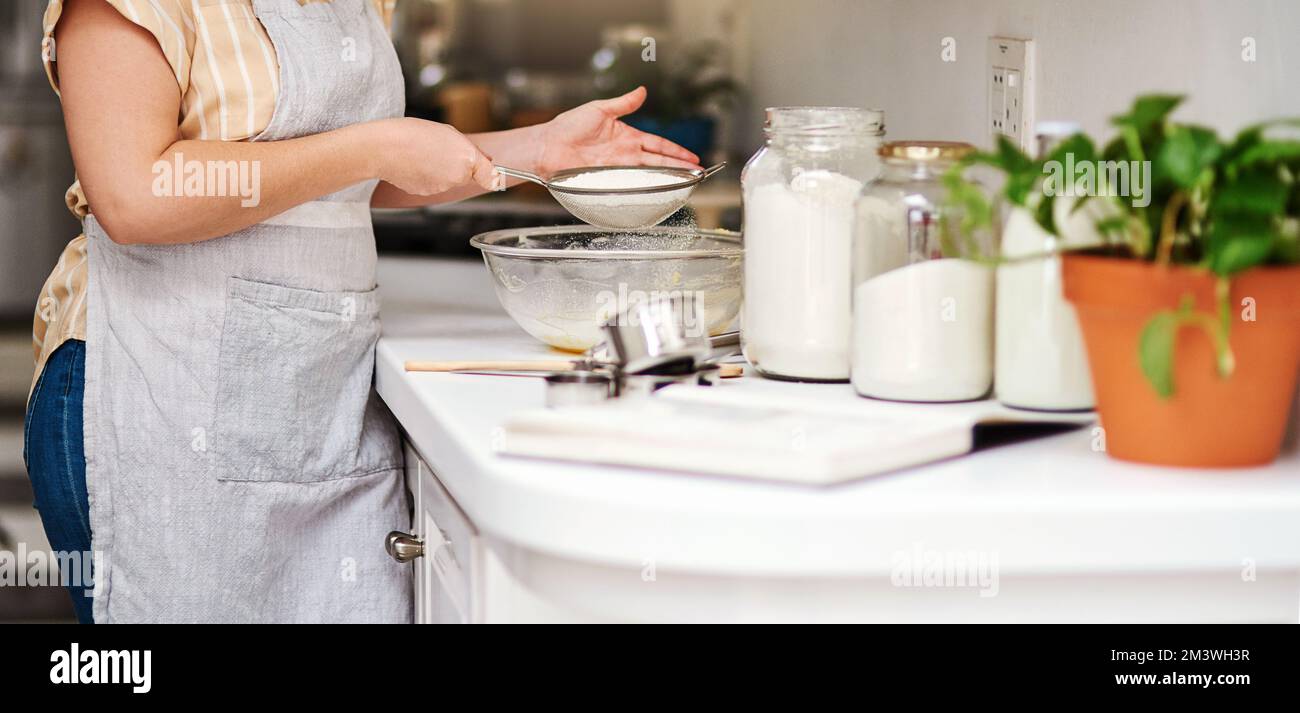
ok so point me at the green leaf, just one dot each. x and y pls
(1238, 241)
(1286, 249)
(1116, 150)
(1149, 112)
(1019, 186)
(1250, 146)
(1252, 192)
(1186, 154)
(1257, 130)
(1076, 150)
(1142, 130)
(1020, 170)
(1241, 253)
(966, 202)
(1159, 339)
(1113, 224)
(1043, 214)
(1156, 351)
(1078, 145)
(1270, 151)
(1245, 139)
(1013, 160)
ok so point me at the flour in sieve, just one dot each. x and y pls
(622, 210)
(620, 179)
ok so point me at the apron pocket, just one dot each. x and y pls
(294, 383)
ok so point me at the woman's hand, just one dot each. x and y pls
(425, 158)
(120, 103)
(592, 135)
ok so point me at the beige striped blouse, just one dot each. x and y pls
(229, 78)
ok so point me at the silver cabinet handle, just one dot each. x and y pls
(403, 547)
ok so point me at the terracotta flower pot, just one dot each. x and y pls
(1209, 421)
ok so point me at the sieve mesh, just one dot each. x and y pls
(625, 205)
(626, 211)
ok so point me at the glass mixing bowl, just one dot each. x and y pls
(562, 283)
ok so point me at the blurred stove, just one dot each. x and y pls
(445, 230)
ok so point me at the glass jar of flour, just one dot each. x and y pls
(799, 191)
(1041, 362)
(922, 313)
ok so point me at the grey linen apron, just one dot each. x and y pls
(239, 464)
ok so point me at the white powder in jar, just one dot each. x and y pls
(1041, 361)
(797, 276)
(924, 332)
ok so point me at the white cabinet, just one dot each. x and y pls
(447, 574)
(463, 575)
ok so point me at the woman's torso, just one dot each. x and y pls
(228, 74)
(229, 408)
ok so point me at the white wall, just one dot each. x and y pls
(1094, 56)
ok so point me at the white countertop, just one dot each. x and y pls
(1050, 506)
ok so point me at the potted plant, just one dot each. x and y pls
(685, 83)
(1189, 300)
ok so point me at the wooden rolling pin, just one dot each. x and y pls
(725, 371)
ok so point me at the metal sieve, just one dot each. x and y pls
(621, 208)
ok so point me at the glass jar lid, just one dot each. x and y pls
(824, 120)
(926, 150)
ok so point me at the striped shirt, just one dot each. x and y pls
(225, 65)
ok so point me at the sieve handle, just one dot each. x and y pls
(524, 175)
(713, 169)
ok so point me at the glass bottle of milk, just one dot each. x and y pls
(922, 311)
(1041, 361)
(799, 190)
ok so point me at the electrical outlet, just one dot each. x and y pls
(1015, 110)
(998, 100)
(1011, 89)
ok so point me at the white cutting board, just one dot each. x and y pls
(766, 430)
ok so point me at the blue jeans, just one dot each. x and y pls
(56, 461)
